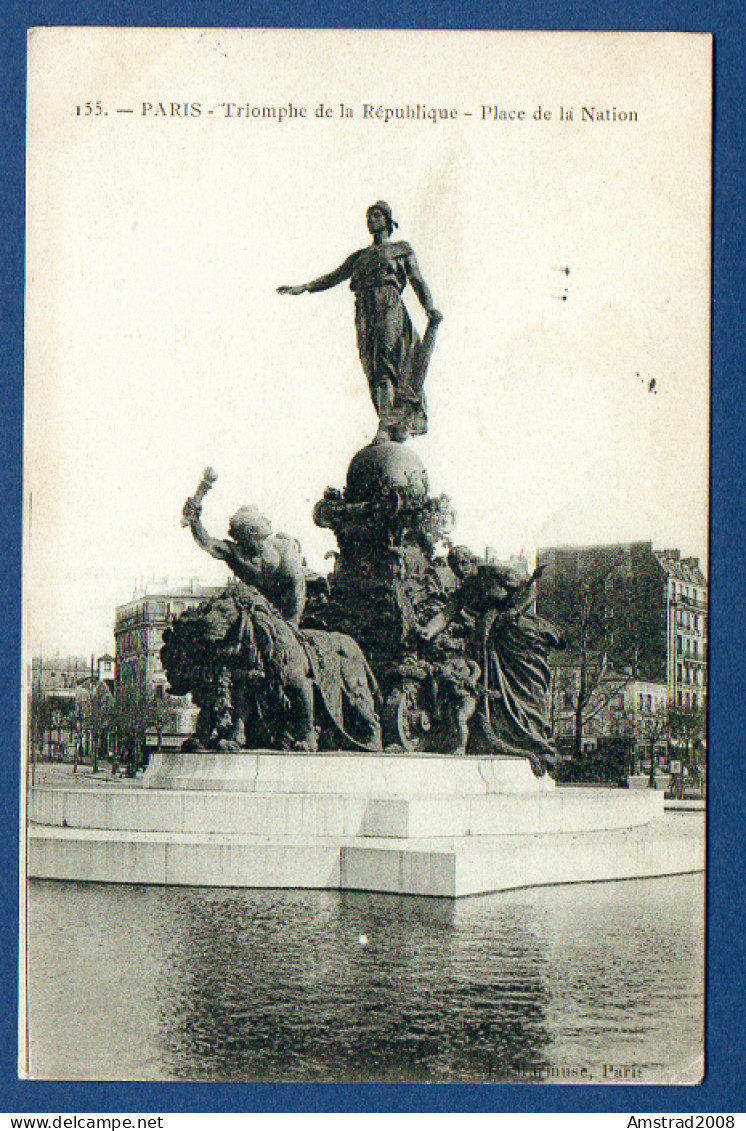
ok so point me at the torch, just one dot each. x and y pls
(208, 478)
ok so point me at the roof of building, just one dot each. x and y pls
(62, 663)
(568, 548)
(683, 569)
(177, 593)
(94, 684)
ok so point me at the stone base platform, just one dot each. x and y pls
(382, 775)
(416, 825)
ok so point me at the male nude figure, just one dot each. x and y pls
(273, 564)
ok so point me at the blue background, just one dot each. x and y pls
(723, 1089)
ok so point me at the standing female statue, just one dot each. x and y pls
(393, 357)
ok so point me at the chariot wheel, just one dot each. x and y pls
(409, 721)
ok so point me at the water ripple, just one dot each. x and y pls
(223, 984)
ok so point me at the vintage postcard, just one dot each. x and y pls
(365, 574)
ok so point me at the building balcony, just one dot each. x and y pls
(689, 603)
(692, 657)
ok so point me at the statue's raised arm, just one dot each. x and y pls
(393, 357)
(420, 288)
(273, 564)
(215, 547)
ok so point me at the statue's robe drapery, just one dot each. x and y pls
(387, 341)
(388, 344)
(515, 654)
(511, 645)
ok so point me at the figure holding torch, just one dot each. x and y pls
(273, 564)
(209, 476)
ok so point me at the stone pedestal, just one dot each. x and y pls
(417, 825)
(344, 774)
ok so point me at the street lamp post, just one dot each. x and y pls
(652, 783)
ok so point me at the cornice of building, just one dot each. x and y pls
(181, 593)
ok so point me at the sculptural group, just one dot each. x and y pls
(409, 643)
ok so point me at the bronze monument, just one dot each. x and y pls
(409, 643)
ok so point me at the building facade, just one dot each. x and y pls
(687, 629)
(138, 632)
(106, 670)
(635, 709)
(660, 601)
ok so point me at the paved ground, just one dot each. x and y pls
(689, 805)
(64, 774)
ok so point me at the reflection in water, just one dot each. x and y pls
(278, 985)
(225, 984)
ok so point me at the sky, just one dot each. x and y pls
(564, 407)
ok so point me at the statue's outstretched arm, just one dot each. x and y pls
(324, 282)
(420, 288)
(525, 593)
(214, 547)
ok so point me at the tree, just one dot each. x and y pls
(162, 715)
(688, 727)
(137, 709)
(97, 718)
(645, 728)
(653, 727)
(62, 716)
(596, 610)
(130, 716)
(40, 720)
